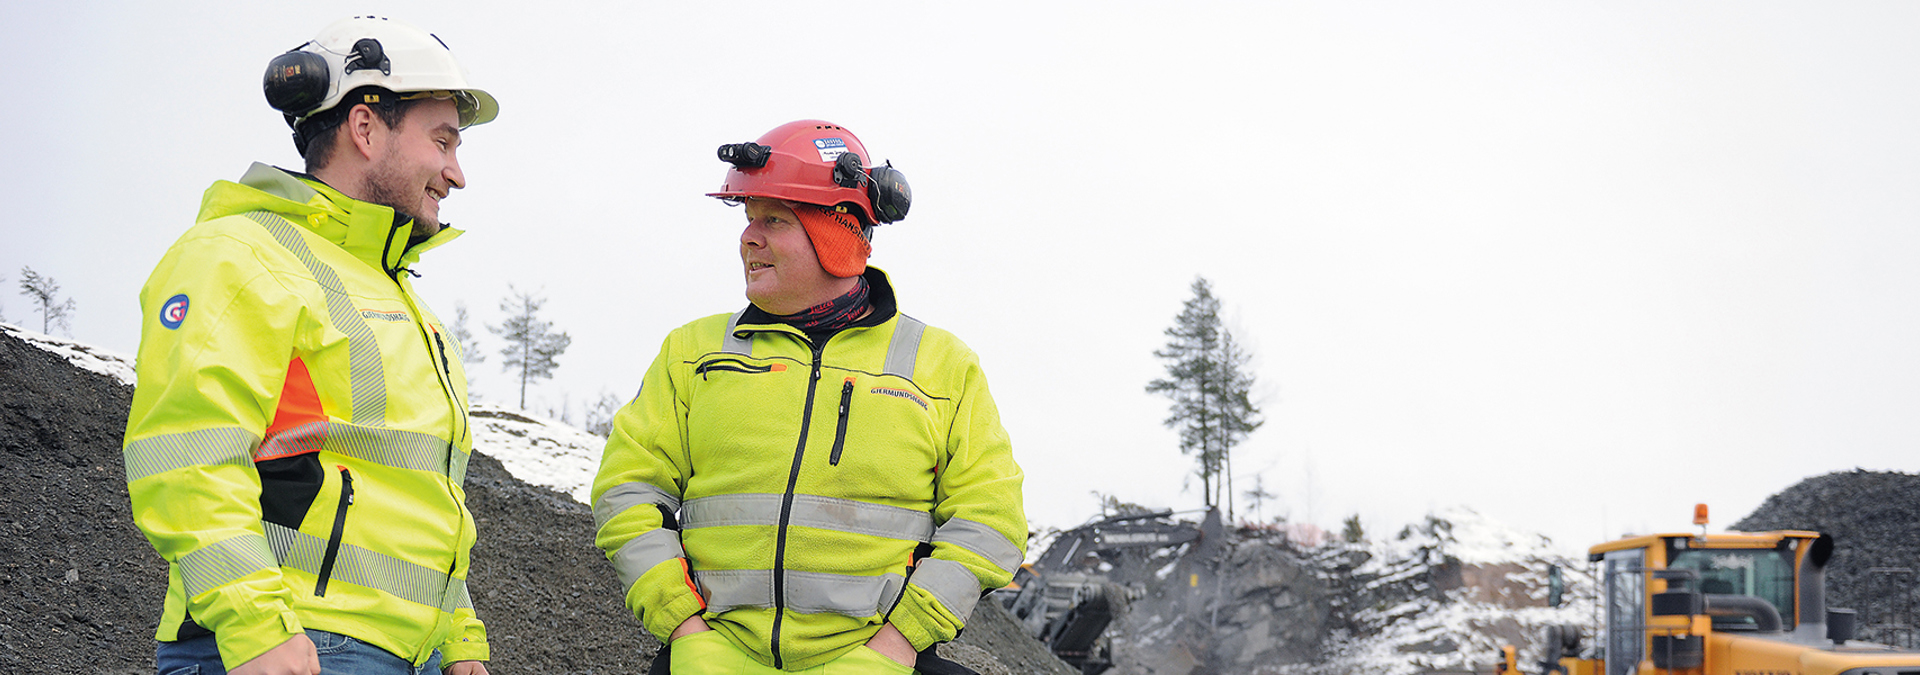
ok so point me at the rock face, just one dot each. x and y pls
(1442, 595)
(1874, 518)
(80, 588)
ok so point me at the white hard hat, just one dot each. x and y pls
(371, 51)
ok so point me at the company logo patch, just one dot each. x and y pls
(396, 317)
(174, 312)
(899, 393)
(830, 148)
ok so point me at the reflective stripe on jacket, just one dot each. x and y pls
(299, 436)
(787, 493)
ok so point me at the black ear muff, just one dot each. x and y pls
(888, 190)
(296, 82)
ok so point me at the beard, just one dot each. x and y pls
(386, 187)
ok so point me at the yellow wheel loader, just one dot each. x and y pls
(1735, 603)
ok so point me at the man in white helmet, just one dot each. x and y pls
(299, 437)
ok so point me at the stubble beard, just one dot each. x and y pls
(386, 187)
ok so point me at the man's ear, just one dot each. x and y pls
(364, 131)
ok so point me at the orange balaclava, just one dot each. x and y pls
(837, 239)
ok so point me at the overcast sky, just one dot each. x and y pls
(1575, 265)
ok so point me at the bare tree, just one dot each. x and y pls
(464, 340)
(532, 345)
(599, 420)
(1259, 496)
(44, 292)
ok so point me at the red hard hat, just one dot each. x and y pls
(800, 168)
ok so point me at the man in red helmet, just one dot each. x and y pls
(816, 482)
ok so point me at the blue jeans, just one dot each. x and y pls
(338, 654)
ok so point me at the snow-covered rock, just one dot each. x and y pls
(538, 450)
(83, 356)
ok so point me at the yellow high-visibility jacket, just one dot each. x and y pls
(299, 436)
(798, 496)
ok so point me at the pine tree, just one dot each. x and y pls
(1210, 389)
(45, 293)
(1351, 531)
(532, 346)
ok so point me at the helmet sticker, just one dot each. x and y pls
(174, 312)
(830, 148)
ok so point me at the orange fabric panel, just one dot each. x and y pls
(299, 401)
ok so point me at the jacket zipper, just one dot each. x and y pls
(339, 529)
(786, 510)
(840, 432)
(446, 369)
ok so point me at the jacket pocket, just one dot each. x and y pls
(840, 429)
(733, 366)
(339, 529)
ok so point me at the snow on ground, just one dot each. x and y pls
(84, 356)
(538, 450)
(1462, 629)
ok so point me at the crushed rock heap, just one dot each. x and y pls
(80, 588)
(1874, 517)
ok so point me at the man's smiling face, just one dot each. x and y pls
(418, 165)
(783, 272)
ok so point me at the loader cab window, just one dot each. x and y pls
(1626, 605)
(1763, 573)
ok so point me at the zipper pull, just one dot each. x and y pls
(346, 484)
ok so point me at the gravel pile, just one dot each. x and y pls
(1874, 517)
(80, 588)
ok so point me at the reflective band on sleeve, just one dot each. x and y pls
(366, 371)
(807, 592)
(619, 498)
(223, 562)
(361, 567)
(734, 344)
(984, 541)
(644, 552)
(950, 582)
(904, 347)
(826, 513)
(207, 447)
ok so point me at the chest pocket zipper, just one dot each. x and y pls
(339, 529)
(732, 366)
(840, 431)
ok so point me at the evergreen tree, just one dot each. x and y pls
(44, 292)
(1351, 531)
(1210, 389)
(532, 345)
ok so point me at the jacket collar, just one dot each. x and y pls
(879, 293)
(373, 233)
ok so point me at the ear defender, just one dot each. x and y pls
(296, 82)
(888, 190)
(886, 187)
